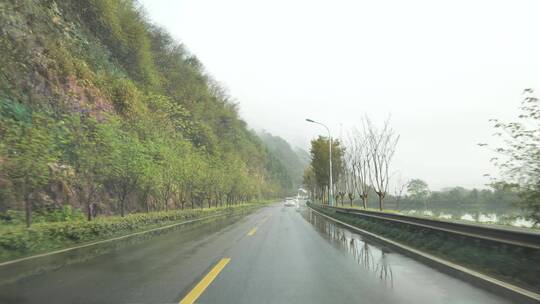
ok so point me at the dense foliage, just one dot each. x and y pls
(102, 110)
(317, 176)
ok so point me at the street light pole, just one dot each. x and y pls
(330, 191)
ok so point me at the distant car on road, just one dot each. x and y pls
(290, 202)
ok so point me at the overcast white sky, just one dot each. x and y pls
(442, 69)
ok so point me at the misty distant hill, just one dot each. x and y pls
(294, 159)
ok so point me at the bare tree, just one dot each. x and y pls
(399, 189)
(349, 172)
(340, 186)
(381, 148)
(360, 164)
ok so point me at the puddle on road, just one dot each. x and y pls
(370, 257)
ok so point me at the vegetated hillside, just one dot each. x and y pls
(304, 157)
(102, 110)
(295, 161)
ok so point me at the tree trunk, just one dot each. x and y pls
(146, 200)
(28, 211)
(122, 207)
(88, 210)
(364, 201)
(124, 191)
(381, 198)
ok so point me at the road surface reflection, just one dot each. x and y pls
(369, 256)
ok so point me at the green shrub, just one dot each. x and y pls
(17, 241)
(124, 95)
(14, 217)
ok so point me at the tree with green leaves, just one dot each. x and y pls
(520, 161)
(129, 164)
(169, 162)
(30, 148)
(418, 190)
(310, 183)
(320, 162)
(90, 153)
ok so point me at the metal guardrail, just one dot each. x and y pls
(495, 234)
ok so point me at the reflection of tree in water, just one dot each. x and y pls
(361, 251)
(383, 269)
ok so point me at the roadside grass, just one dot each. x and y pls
(516, 265)
(17, 241)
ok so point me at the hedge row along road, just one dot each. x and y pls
(19, 243)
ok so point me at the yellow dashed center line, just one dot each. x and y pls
(265, 219)
(252, 231)
(197, 291)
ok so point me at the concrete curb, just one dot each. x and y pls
(507, 290)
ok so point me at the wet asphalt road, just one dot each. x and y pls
(277, 255)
